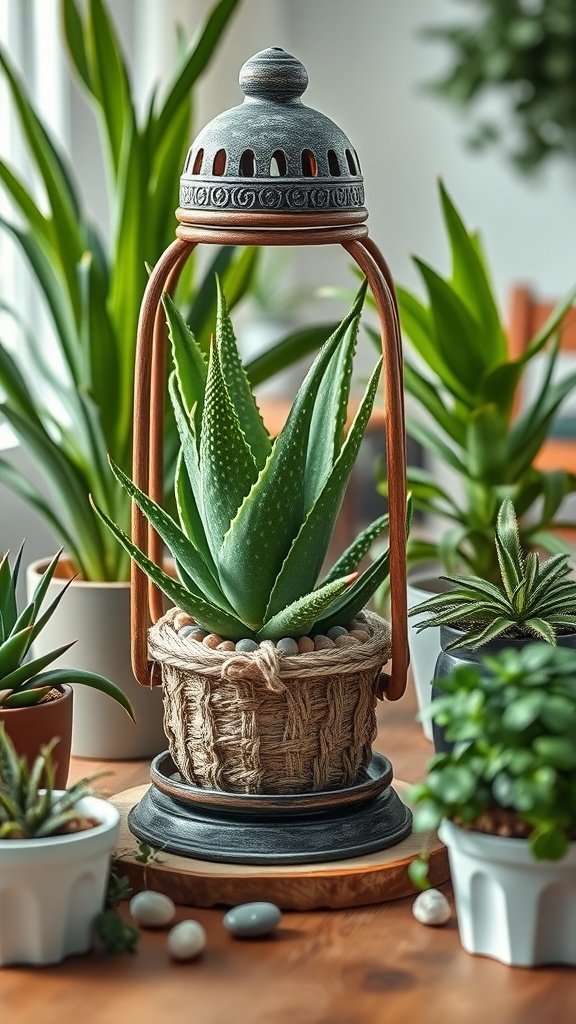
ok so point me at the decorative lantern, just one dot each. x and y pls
(268, 172)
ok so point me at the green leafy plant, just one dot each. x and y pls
(26, 682)
(469, 415)
(512, 721)
(113, 934)
(256, 515)
(72, 405)
(533, 599)
(526, 53)
(29, 806)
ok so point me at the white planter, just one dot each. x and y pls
(425, 646)
(97, 615)
(510, 906)
(52, 889)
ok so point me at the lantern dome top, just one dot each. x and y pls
(272, 153)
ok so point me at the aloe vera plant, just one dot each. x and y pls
(23, 682)
(29, 807)
(255, 514)
(534, 598)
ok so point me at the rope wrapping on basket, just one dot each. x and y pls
(267, 722)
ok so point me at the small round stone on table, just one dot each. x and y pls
(186, 940)
(431, 907)
(252, 920)
(152, 909)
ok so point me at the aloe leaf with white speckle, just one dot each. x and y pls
(343, 609)
(227, 466)
(189, 363)
(350, 559)
(238, 385)
(331, 407)
(189, 514)
(302, 565)
(211, 617)
(262, 531)
(299, 617)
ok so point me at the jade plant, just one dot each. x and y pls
(511, 772)
(30, 807)
(534, 598)
(24, 681)
(256, 515)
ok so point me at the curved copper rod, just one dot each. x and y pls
(156, 459)
(372, 264)
(141, 447)
(271, 236)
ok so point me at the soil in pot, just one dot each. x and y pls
(33, 727)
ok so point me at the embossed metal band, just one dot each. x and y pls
(263, 194)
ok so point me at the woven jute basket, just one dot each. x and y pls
(263, 722)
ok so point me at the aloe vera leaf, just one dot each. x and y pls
(189, 363)
(189, 439)
(22, 677)
(236, 381)
(176, 541)
(541, 629)
(350, 559)
(262, 531)
(481, 637)
(74, 676)
(299, 617)
(331, 408)
(343, 610)
(289, 350)
(13, 650)
(189, 515)
(302, 565)
(26, 698)
(205, 614)
(227, 466)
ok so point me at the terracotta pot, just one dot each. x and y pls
(97, 617)
(31, 728)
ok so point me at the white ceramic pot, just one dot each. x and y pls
(510, 906)
(51, 890)
(424, 646)
(97, 616)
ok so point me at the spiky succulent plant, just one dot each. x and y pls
(257, 514)
(534, 599)
(29, 806)
(25, 682)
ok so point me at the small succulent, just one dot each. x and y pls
(512, 769)
(256, 514)
(534, 599)
(25, 682)
(29, 808)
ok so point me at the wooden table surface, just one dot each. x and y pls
(369, 966)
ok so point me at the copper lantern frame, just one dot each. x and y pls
(265, 227)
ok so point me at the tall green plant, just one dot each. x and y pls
(256, 515)
(466, 390)
(72, 406)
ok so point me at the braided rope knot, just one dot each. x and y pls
(260, 666)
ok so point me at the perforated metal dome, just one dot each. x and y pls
(272, 153)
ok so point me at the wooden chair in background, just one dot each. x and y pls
(527, 315)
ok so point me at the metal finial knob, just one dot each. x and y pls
(273, 74)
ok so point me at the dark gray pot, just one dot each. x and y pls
(448, 661)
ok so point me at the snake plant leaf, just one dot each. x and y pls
(227, 466)
(74, 34)
(262, 531)
(21, 678)
(108, 78)
(342, 611)
(433, 443)
(180, 547)
(236, 381)
(417, 324)
(11, 477)
(208, 615)
(9, 581)
(425, 392)
(299, 617)
(189, 363)
(303, 563)
(13, 650)
(470, 281)
(486, 444)
(350, 559)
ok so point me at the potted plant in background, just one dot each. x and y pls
(55, 848)
(69, 412)
(255, 520)
(467, 412)
(36, 704)
(534, 599)
(505, 801)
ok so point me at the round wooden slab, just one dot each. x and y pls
(373, 878)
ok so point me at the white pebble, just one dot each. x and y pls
(152, 909)
(186, 940)
(431, 907)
